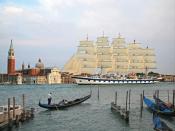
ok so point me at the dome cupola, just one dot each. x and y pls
(39, 64)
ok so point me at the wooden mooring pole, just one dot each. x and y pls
(173, 97)
(13, 107)
(126, 100)
(116, 98)
(32, 112)
(8, 109)
(9, 117)
(168, 96)
(23, 115)
(157, 93)
(23, 101)
(98, 93)
(129, 98)
(141, 104)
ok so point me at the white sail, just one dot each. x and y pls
(116, 57)
(119, 55)
(103, 52)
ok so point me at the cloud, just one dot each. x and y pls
(62, 23)
(11, 10)
(130, 17)
(55, 4)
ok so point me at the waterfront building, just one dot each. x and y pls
(30, 75)
(29, 79)
(54, 76)
(40, 75)
(34, 80)
(66, 78)
(42, 79)
(4, 79)
(118, 57)
(15, 79)
(168, 78)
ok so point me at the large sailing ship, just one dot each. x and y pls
(117, 58)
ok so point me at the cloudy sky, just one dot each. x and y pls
(51, 29)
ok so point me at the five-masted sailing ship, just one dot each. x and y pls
(117, 58)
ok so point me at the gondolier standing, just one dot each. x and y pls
(49, 98)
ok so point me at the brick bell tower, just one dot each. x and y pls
(11, 60)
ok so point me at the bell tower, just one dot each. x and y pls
(11, 60)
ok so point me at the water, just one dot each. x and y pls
(92, 115)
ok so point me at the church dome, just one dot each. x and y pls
(39, 64)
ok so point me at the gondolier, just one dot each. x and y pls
(49, 98)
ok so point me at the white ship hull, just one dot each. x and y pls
(102, 81)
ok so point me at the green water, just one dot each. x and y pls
(92, 115)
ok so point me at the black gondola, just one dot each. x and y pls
(64, 103)
(164, 104)
(158, 108)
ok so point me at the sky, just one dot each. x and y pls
(51, 29)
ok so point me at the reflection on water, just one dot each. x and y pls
(92, 115)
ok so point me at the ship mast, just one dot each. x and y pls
(149, 60)
(146, 72)
(87, 37)
(102, 57)
(103, 34)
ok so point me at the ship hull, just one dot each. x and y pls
(103, 81)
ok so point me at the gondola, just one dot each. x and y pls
(160, 125)
(164, 104)
(157, 108)
(64, 103)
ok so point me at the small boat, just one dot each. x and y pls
(64, 103)
(160, 125)
(158, 108)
